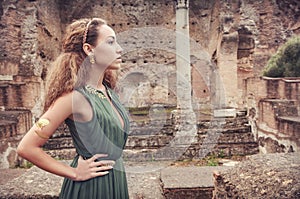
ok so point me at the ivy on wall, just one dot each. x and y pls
(286, 62)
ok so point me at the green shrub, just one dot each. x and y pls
(286, 62)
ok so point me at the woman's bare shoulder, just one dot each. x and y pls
(70, 97)
(73, 103)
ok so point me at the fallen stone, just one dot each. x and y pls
(189, 182)
(144, 180)
(261, 176)
(229, 112)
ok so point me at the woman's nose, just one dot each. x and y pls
(119, 49)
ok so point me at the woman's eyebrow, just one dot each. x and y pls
(112, 37)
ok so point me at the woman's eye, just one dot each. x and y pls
(111, 42)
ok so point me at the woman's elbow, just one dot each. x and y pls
(21, 151)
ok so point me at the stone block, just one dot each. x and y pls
(229, 112)
(153, 141)
(188, 182)
(21, 118)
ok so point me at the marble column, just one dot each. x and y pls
(183, 65)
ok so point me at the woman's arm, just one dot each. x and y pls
(30, 146)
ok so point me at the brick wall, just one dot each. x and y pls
(276, 119)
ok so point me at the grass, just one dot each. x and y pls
(144, 111)
(25, 165)
(211, 160)
(207, 161)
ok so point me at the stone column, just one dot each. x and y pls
(183, 67)
(227, 62)
(184, 119)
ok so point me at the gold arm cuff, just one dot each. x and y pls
(41, 136)
(42, 122)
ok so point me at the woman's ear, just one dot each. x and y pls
(87, 48)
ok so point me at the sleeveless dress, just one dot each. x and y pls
(102, 134)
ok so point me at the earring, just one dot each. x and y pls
(92, 58)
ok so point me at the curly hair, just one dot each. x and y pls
(70, 69)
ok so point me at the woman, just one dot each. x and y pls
(80, 94)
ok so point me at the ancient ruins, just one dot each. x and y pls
(191, 78)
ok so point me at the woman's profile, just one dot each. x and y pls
(80, 93)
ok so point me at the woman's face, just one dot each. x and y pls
(108, 51)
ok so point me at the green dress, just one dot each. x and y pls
(102, 134)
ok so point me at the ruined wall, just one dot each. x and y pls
(261, 27)
(29, 39)
(274, 106)
(30, 36)
(238, 36)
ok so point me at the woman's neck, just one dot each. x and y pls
(96, 80)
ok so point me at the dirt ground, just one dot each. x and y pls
(8, 174)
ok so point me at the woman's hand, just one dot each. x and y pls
(87, 169)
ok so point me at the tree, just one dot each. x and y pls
(286, 62)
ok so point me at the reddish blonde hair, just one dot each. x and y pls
(65, 75)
